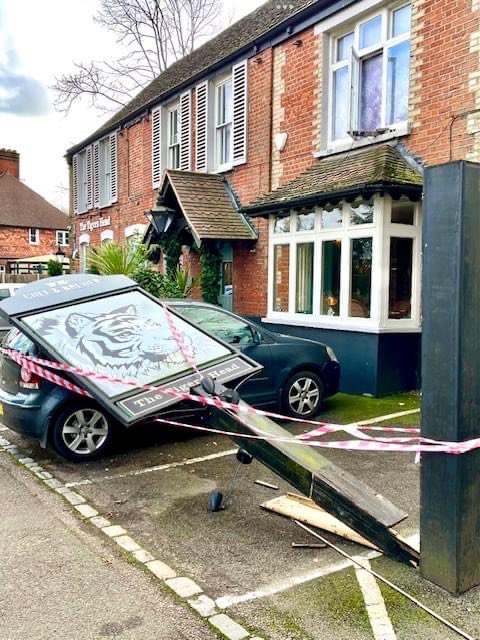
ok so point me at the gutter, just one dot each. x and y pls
(414, 191)
(286, 29)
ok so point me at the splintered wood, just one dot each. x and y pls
(305, 510)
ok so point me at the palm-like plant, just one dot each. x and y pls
(112, 258)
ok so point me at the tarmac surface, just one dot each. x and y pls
(156, 485)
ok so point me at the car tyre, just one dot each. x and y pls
(303, 395)
(82, 431)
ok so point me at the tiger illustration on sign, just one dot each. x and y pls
(120, 342)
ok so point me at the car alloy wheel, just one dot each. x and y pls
(85, 431)
(303, 394)
(82, 431)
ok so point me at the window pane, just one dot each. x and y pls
(331, 219)
(341, 103)
(400, 290)
(331, 261)
(344, 44)
(304, 289)
(228, 110)
(398, 82)
(371, 93)
(282, 224)
(371, 32)
(401, 19)
(361, 278)
(224, 326)
(227, 279)
(281, 265)
(403, 212)
(306, 221)
(363, 214)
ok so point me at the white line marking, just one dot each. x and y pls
(374, 603)
(213, 456)
(225, 602)
(390, 416)
(158, 467)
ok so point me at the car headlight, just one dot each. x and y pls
(331, 354)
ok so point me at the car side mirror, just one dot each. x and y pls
(257, 337)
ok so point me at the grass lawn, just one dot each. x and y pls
(344, 408)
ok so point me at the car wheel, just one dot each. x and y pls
(82, 432)
(303, 395)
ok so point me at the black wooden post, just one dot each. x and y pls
(450, 485)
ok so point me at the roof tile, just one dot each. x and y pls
(20, 206)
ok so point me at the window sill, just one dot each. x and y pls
(223, 169)
(350, 145)
(355, 325)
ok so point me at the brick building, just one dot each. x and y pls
(317, 117)
(32, 230)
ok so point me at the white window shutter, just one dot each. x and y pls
(75, 183)
(89, 178)
(185, 130)
(113, 168)
(240, 97)
(96, 177)
(156, 146)
(201, 126)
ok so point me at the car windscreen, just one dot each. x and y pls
(4, 293)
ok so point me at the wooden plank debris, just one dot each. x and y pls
(305, 510)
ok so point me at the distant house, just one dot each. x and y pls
(32, 231)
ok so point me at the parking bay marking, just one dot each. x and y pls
(214, 456)
(225, 602)
(380, 623)
(158, 467)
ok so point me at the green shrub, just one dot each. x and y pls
(54, 268)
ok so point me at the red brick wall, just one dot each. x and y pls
(444, 62)
(14, 243)
(9, 162)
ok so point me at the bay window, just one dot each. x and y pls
(369, 75)
(353, 265)
(223, 124)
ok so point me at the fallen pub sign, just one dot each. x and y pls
(109, 325)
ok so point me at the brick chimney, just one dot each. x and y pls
(10, 162)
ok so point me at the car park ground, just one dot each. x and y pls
(155, 486)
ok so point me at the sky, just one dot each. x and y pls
(40, 41)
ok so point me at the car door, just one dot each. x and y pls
(260, 389)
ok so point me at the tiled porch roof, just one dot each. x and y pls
(208, 206)
(374, 168)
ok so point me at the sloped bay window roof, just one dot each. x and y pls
(345, 243)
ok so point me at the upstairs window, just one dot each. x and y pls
(370, 75)
(34, 236)
(173, 139)
(61, 238)
(223, 124)
(95, 175)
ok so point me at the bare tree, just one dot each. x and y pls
(153, 34)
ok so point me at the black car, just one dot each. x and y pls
(297, 375)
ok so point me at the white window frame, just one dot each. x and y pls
(61, 237)
(35, 235)
(104, 173)
(83, 244)
(381, 230)
(398, 128)
(171, 146)
(218, 127)
(106, 236)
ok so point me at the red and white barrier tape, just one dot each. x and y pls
(364, 442)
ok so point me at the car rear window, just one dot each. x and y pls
(17, 340)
